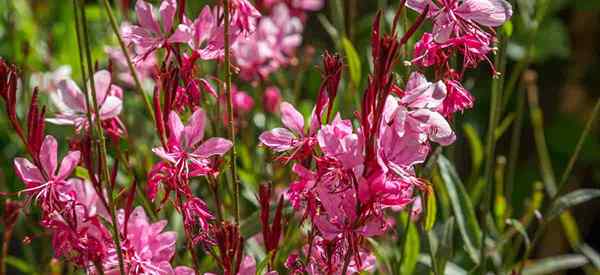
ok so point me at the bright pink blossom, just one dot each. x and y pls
(293, 137)
(72, 109)
(154, 33)
(146, 248)
(45, 183)
(186, 151)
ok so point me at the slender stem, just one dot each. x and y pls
(513, 156)
(213, 185)
(138, 85)
(233, 153)
(573, 159)
(495, 108)
(190, 244)
(103, 151)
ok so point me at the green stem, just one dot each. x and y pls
(233, 153)
(103, 152)
(495, 109)
(138, 85)
(573, 159)
(513, 156)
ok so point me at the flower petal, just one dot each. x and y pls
(111, 108)
(194, 130)
(145, 16)
(28, 172)
(48, 155)
(213, 146)
(491, 13)
(291, 118)
(101, 84)
(68, 164)
(68, 98)
(278, 139)
(175, 128)
(167, 11)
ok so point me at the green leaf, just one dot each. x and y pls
(462, 208)
(260, 267)
(353, 61)
(431, 210)
(507, 28)
(412, 246)
(591, 254)
(552, 265)
(19, 264)
(475, 145)
(329, 28)
(501, 129)
(571, 199)
(444, 250)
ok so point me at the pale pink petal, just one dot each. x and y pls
(248, 266)
(194, 130)
(69, 98)
(438, 128)
(160, 152)
(291, 118)
(182, 34)
(167, 11)
(48, 155)
(175, 127)
(419, 5)
(213, 146)
(491, 13)
(111, 108)
(145, 16)
(68, 164)
(27, 171)
(278, 139)
(184, 270)
(102, 84)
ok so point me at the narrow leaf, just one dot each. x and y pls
(571, 199)
(431, 210)
(353, 61)
(521, 229)
(462, 208)
(552, 265)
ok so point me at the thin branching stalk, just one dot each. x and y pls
(233, 153)
(102, 140)
(513, 155)
(495, 109)
(573, 159)
(138, 84)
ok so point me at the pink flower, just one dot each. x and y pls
(271, 99)
(186, 151)
(272, 45)
(248, 267)
(458, 99)
(195, 210)
(151, 35)
(77, 230)
(70, 102)
(292, 137)
(147, 249)
(145, 69)
(327, 257)
(45, 183)
(454, 17)
(242, 102)
(338, 141)
(244, 16)
(207, 35)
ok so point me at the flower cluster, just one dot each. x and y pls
(349, 176)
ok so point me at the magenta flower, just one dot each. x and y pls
(271, 99)
(207, 35)
(70, 102)
(147, 249)
(455, 18)
(327, 257)
(151, 35)
(45, 184)
(244, 16)
(292, 137)
(458, 99)
(272, 45)
(184, 149)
